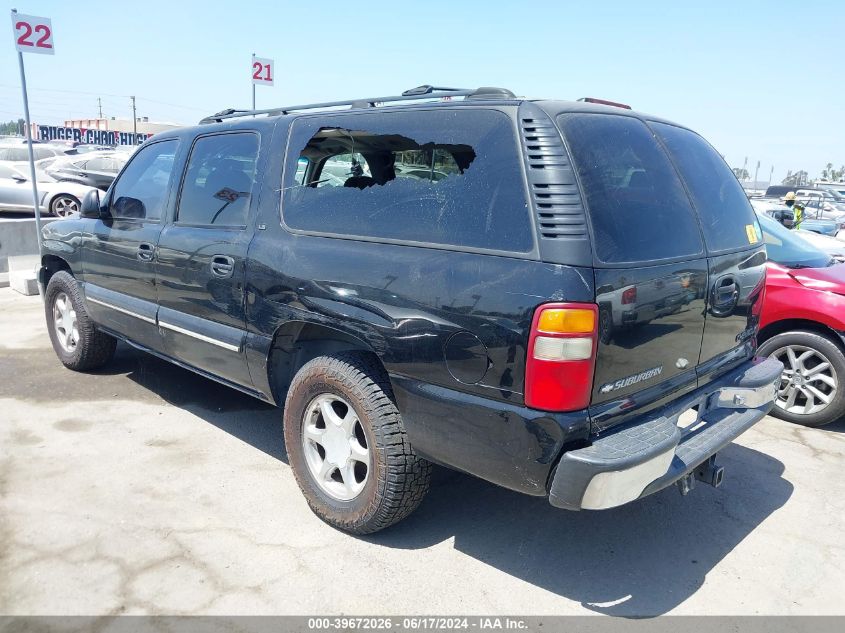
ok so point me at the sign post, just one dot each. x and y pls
(32, 35)
(262, 70)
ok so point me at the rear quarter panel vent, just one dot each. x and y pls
(556, 200)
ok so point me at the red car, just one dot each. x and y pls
(802, 324)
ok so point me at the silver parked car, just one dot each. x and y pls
(56, 198)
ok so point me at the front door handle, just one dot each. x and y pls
(146, 252)
(222, 266)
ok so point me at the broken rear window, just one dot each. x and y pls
(439, 177)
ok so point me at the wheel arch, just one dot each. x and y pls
(807, 325)
(297, 342)
(51, 264)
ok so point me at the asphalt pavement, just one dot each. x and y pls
(146, 489)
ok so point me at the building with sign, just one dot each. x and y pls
(143, 125)
(101, 131)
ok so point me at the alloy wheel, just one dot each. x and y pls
(336, 448)
(809, 381)
(64, 320)
(65, 206)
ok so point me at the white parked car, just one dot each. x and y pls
(826, 201)
(830, 245)
(15, 152)
(56, 198)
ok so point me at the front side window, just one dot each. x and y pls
(442, 176)
(727, 218)
(141, 191)
(638, 209)
(218, 182)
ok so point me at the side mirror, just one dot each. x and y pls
(18, 178)
(91, 205)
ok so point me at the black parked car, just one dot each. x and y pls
(95, 169)
(455, 319)
(779, 191)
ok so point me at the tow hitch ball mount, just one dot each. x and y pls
(709, 472)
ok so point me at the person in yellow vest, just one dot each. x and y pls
(796, 207)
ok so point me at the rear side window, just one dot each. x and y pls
(638, 208)
(446, 176)
(218, 181)
(727, 218)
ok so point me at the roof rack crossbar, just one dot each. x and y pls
(419, 93)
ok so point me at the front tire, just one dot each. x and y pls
(347, 445)
(64, 205)
(75, 338)
(811, 392)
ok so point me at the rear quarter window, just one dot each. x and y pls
(637, 206)
(727, 218)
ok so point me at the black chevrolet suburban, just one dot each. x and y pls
(559, 297)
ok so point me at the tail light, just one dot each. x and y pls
(561, 356)
(629, 296)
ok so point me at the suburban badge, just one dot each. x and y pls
(631, 380)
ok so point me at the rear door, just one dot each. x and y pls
(200, 261)
(650, 264)
(733, 238)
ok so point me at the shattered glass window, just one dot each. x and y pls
(448, 177)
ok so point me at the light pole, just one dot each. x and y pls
(134, 123)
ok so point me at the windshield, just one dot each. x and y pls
(786, 248)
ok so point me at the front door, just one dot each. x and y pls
(200, 263)
(120, 250)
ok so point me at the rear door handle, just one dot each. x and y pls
(222, 266)
(146, 252)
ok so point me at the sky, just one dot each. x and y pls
(760, 80)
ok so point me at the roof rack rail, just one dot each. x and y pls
(418, 93)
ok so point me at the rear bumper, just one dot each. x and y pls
(649, 454)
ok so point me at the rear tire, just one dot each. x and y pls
(369, 478)
(75, 338)
(814, 371)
